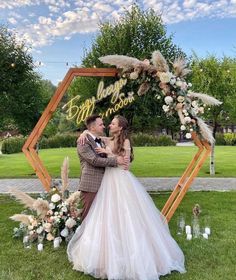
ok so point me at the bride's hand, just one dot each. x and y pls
(82, 138)
(101, 150)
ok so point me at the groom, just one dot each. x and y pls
(92, 164)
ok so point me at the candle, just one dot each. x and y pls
(188, 229)
(189, 236)
(40, 247)
(205, 235)
(207, 230)
(56, 242)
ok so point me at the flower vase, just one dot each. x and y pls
(196, 227)
(180, 224)
(27, 242)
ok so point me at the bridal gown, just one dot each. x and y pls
(124, 236)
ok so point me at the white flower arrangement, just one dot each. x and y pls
(55, 215)
(175, 91)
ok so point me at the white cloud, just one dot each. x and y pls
(12, 20)
(64, 18)
(53, 9)
(10, 4)
(189, 3)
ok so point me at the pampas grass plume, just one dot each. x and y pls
(21, 218)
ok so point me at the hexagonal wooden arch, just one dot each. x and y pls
(181, 187)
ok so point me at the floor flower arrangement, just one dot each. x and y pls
(53, 216)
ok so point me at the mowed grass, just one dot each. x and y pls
(212, 259)
(148, 162)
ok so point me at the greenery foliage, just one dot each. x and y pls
(58, 141)
(216, 77)
(143, 139)
(13, 145)
(220, 141)
(23, 95)
(230, 138)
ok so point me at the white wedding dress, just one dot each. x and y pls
(124, 236)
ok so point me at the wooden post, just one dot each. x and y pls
(184, 183)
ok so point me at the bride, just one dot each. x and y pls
(123, 236)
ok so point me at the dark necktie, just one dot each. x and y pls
(98, 140)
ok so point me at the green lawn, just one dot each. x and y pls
(148, 162)
(212, 259)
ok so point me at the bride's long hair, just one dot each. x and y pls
(120, 139)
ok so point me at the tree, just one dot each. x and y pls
(216, 77)
(22, 97)
(138, 33)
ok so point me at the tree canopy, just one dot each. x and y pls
(22, 94)
(216, 77)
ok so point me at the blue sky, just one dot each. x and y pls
(60, 30)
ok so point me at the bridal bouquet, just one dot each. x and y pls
(169, 87)
(54, 215)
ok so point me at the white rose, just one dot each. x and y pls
(187, 119)
(51, 206)
(168, 100)
(165, 77)
(201, 110)
(133, 76)
(64, 209)
(179, 84)
(188, 135)
(194, 103)
(189, 85)
(180, 98)
(39, 230)
(55, 198)
(30, 227)
(183, 127)
(70, 223)
(165, 108)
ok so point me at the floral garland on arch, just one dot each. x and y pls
(53, 216)
(176, 94)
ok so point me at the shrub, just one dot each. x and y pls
(220, 139)
(143, 139)
(58, 141)
(13, 145)
(230, 138)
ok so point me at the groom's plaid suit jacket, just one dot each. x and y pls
(92, 166)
